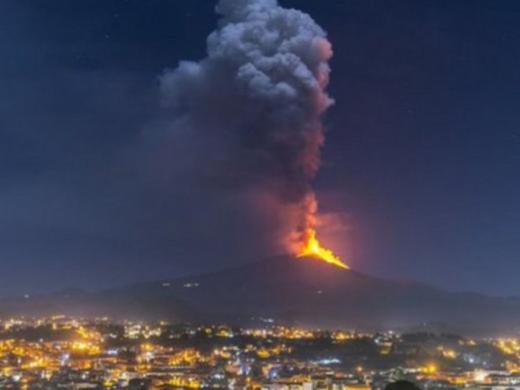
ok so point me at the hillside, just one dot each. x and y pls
(300, 291)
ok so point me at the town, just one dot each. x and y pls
(60, 352)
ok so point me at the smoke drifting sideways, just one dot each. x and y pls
(256, 101)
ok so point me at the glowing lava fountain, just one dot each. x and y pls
(312, 248)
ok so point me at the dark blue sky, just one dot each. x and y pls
(423, 146)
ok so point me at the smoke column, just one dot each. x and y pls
(257, 99)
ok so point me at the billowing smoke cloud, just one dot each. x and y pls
(256, 100)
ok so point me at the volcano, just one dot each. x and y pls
(287, 290)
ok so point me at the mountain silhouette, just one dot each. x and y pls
(287, 290)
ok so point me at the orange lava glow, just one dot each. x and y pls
(312, 248)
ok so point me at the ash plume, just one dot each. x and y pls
(256, 100)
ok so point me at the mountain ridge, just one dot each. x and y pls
(295, 291)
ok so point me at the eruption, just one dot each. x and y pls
(313, 248)
(256, 101)
(306, 243)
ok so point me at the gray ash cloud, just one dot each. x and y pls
(252, 107)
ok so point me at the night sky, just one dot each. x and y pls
(422, 155)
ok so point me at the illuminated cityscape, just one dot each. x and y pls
(259, 194)
(66, 353)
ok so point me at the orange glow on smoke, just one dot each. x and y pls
(312, 248)
(304, 243)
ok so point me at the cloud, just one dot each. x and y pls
(253, 108)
